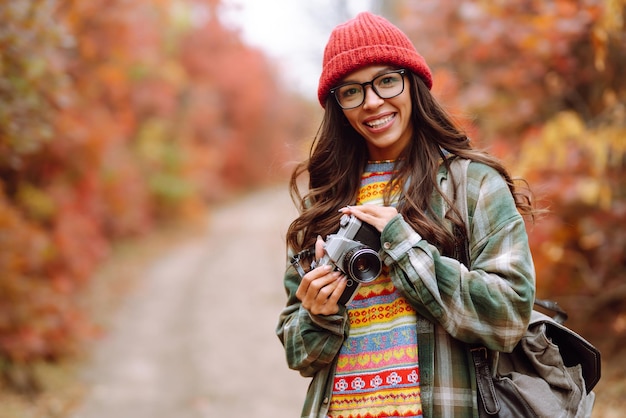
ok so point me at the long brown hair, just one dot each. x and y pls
(339, 154)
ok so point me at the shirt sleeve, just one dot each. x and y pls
(487, 303)
(311, 341)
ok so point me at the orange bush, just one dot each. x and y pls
(115, 116)
(543, 83)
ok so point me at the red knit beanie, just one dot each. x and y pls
(367, 39)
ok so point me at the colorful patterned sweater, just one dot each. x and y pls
(377, 372)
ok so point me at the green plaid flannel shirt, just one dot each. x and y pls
(489, 304)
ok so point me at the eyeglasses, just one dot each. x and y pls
(386, 86)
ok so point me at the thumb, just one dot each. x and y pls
(319, 247)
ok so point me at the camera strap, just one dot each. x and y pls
(296, 260)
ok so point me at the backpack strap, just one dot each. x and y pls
(456, 190)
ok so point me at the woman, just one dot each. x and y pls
(382, 153)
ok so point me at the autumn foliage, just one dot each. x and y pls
(541, 84)
(114, 117)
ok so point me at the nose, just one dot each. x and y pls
(372, 100)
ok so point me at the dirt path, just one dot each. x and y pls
(196, 338)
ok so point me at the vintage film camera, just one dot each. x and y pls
(354, 251)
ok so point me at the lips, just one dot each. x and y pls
(380, 122)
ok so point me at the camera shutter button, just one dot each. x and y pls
(387, 245)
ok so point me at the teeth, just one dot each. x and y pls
(379, 122)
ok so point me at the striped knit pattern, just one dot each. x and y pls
(377, 371)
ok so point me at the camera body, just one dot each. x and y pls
(354, 251)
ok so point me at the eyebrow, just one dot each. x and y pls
(382, 71)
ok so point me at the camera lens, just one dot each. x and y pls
(363, 264)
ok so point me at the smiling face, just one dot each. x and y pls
(385, 124)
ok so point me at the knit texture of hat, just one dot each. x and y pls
(367, 39)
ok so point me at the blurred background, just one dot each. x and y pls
(120, 119)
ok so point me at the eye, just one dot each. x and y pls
(388, 80)
(347, 92)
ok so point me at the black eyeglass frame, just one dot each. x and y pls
(333, 91)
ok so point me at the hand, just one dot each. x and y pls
(377, 216)
(321, 288)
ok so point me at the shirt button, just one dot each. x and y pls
(387, 245)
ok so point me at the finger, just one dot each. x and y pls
(314, 280)
(365, 209)
(377, 216)
(309, 278)
(319, 285)
(346, 210)
(326, 301)
(342, 283)
(319, 290)
(319, 248)
(376, 211)
(355, 211)
(368, 217)
(363, 212)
